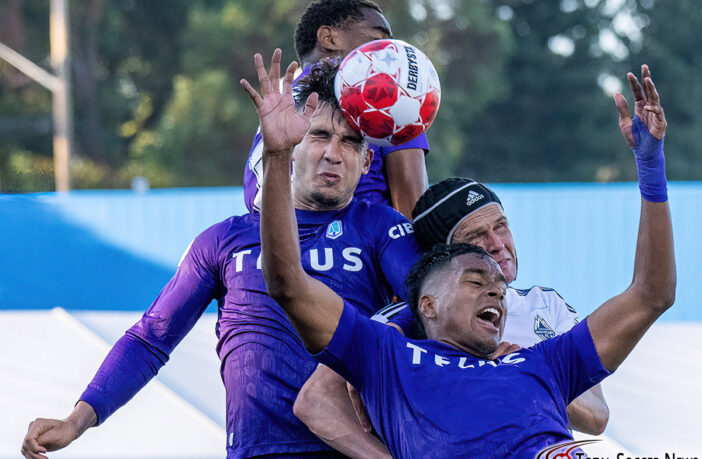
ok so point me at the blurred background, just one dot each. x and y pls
(161, 132)
(527, 85)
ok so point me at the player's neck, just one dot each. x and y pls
(315, 205)
(317, 55)
(461, 347)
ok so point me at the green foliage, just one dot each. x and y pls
(157, 87)
(672, 47)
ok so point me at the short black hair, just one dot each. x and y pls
(319, 80)
(432, 260)
(332, 13)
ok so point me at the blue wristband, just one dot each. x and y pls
(650, 163)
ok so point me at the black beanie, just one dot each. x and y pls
(442, 207)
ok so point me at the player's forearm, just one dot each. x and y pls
(323, 404)
(407, 178)
(589, 413)
(654, 267)
(280, 246)
(128, 367)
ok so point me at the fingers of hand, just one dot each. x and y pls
(513, 348)
(30, 445)
(635, 87)
(289, 78)
(262, 75)
(274, 75)
(255, 98)
(311, 104)
(645, 72)
(622, 106)
(652, 96)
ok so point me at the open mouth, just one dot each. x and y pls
(491, 315)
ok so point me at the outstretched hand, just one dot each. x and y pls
(282, 126)
(647, 106)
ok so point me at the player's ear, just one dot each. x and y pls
(292, 155)
(328, 38)
(368, 158)
(427, 306)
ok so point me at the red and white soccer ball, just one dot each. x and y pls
(388, 91)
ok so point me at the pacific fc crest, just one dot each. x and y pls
(542, 329)
(334, 229)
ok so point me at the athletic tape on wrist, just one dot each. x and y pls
(650, 163)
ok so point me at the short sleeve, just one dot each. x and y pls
(418, 142)
(398, 314)
(573, 361)
(396, 247)
(566, 316)
(353, 351)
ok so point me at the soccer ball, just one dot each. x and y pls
(388, 91)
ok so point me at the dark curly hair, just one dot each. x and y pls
(332, 13)
(432, 260)
(319, 80)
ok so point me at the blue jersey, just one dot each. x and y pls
(372, 187)
(429, 399)
(363, 252)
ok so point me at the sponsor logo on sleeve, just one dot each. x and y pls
(402, 229)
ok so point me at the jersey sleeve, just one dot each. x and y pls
(398, 314)
(253, 174)
(573, 361)
(353, 351)
(566, 316)
(136, 358)
(397, 248)
(418, 142)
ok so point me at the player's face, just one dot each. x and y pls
(329, 161)
(470, 304)
(373, 26)
(488, 228)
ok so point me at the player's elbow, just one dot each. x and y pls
(280, 286)
(599, 421)
(658, 296)
(308, 407)
(663, 299)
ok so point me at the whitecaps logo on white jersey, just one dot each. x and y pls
(542, 329)
(334, 230)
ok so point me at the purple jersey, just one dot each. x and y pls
(363, 252)
(429, 399)
(372, 187)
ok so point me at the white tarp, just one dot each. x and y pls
(48, 357)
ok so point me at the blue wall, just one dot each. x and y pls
(116, 249)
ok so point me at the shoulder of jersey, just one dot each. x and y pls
(387, 313)
(537, 295)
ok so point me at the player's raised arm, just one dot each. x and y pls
(313, 308)
(619, 323)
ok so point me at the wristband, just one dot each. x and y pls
(650, 163)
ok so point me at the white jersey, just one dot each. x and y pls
(533, 315)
